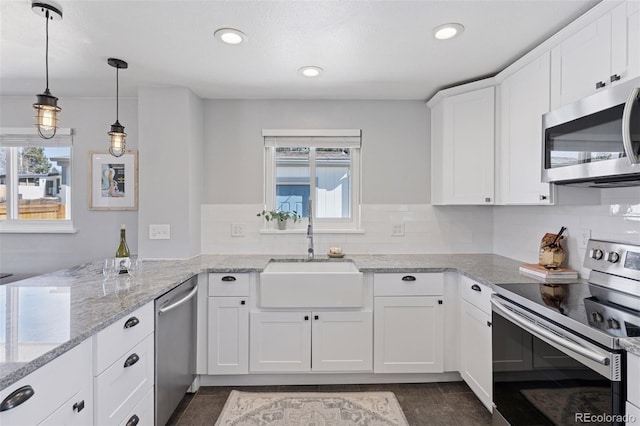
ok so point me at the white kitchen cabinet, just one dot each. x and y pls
(603, 53)
(311, 341)
(475, 339)
(633, 385)
(228, 339)
(408, 334)
(62, 392)
(462, 148)
(524, 97)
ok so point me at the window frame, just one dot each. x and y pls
(315, 138)
(11, 137)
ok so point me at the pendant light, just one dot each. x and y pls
(46, 106)
(117, 135)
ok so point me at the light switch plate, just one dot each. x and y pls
(585, 235)
(237, 229)
(397, 229)
(160, 232)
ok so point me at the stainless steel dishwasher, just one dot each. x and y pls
(175, 347)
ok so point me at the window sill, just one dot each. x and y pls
(315, 231)
(37, 227)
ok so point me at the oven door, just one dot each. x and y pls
(558, 379)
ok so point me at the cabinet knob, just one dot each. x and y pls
(131, 322)
(228, 278)
(543, 197)
(133, 421)
(487, 200)
(306, 317)
(78, 406)
(316, 317)
(17, 397)
(243, 302)
(488, 323)
(614, 77)
(600, 84)
(131, 360)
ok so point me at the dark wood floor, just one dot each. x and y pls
(450, 403)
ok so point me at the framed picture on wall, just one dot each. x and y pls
(114, 181)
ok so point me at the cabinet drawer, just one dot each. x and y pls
(53, 385)
(633, 384)
(119, 389)
(78, 411)
(477, 294)
(229, 284)
(143, 412)
(112, 342)
(408, 284)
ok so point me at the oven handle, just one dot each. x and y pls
(626, 126)
(541, 332)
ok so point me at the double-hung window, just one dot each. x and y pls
(35, 181)
(318, 164)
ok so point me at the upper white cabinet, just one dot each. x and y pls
(524, 97)
(462, 148)
(603, 53)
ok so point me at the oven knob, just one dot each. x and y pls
(613, 257)
(613, 324)
(596, 317)
(596, 254)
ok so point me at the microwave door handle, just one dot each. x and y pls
(626, 126)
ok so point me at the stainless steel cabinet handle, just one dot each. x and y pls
(408, 278)
(166, 309)
(228, 278)
(626, 126)
(133, 421)
(614, 77)
(131, 360)
(476, 287)
(17, 397)
(600, 84)
(131, 322)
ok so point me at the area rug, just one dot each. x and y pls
(312, 409)
(561, 405)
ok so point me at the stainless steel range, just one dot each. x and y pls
(564, 342)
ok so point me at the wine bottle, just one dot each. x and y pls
(122, 254)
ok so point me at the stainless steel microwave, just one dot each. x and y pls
(595, 141)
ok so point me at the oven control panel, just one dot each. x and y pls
(621, 259)
(612, 319)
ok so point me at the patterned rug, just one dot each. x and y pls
(560, 405)
(312, 409)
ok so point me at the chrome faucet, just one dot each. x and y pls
(310, 232)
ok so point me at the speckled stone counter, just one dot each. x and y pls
(631, 345)
(66, 307)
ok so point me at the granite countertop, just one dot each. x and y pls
(47, 315)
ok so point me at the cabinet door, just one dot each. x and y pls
(524, 98)
(228, 339)
(475, 352)
(466, 149)
(342, 341)
(78, 411)
(633, 39)
(408, 335)
(580, 62)
(633, 373)
(280, 341)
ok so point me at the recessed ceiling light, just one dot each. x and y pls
(447, 31)
(230, 35)
(310, 71)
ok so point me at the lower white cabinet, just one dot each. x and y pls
(310, 341)
(475, 351)
(633, 387)
(228, 340)
(409, 334)
(60, 392)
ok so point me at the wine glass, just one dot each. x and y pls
(135, 267)
(109, 268)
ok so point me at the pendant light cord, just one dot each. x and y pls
(46, 55)
(117, 92)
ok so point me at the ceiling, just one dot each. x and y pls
(369, 49)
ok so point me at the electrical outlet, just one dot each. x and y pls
(237, 229)
(160, 232)
(397, 229)
(585, 235)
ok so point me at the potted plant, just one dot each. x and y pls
(280, 216)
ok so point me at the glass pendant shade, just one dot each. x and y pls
(117, 138)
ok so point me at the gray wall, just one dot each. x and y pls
(395, 145)
(98, 231)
